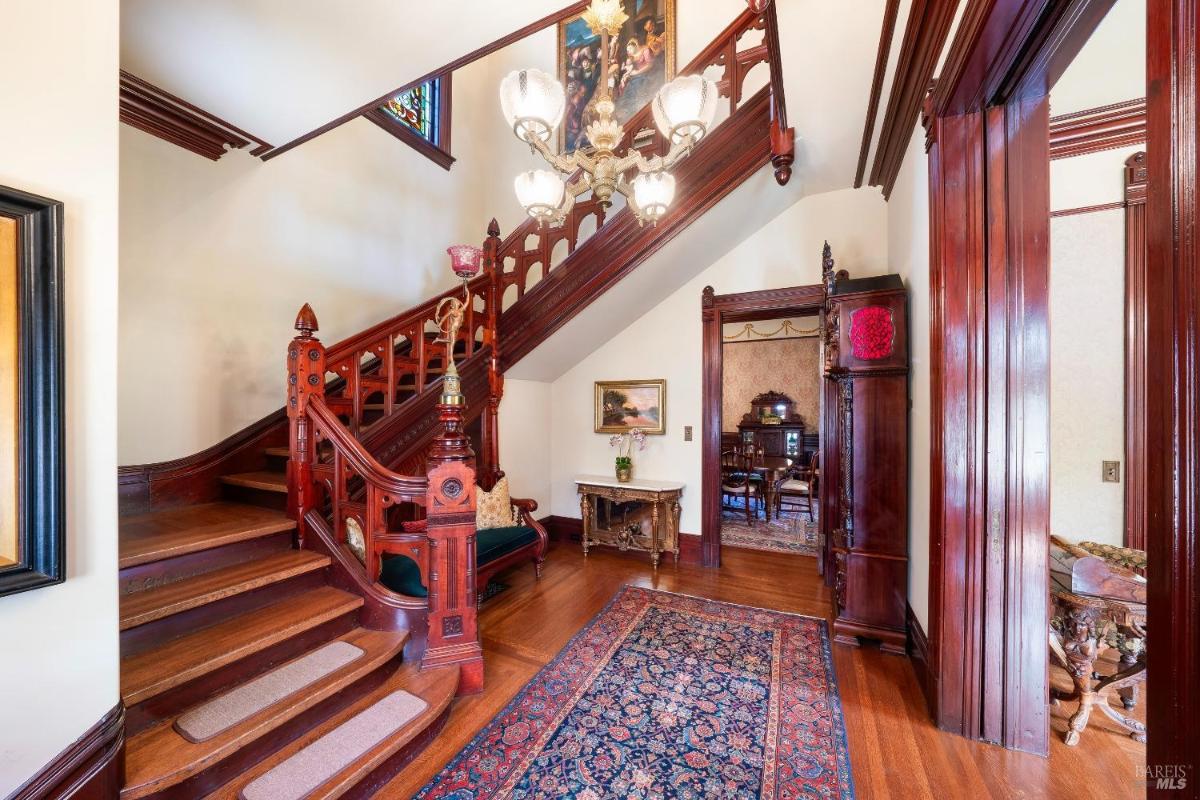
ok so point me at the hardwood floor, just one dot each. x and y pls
(895, 750)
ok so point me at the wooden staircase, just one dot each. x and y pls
(237, 561)
(216, 594)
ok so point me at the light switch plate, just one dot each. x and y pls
(1110, 471)
(687, 433)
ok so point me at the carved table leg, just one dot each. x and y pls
(675, 509)
(1075, 645)
(585, 511)
(654, 537)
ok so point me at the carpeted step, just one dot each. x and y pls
(296, 777)
(139, 608)
(159, 535)
(436, 687)
(223, 712)
(159, 758)
(178, 661)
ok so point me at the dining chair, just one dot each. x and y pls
(797, 488)
(738, 480)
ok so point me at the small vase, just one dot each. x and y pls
(624, 474)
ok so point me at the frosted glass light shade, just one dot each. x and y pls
(685, 107)
(465, 260)
(540, 192)
(653, 193)
(532, 102)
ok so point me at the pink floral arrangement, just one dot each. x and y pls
(624, 443)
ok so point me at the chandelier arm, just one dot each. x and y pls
(562, 163)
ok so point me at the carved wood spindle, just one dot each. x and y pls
(306, 379)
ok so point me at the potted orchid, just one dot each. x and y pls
(624, 443)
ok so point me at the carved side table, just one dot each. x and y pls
(1081, 630)
(601, 525)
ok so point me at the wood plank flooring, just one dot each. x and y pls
(895, 751)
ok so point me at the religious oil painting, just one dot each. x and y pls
(622, 406)
(32, 551)
(641, 58)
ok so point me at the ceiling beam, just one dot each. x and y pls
(881, 59)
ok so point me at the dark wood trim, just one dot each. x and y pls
(918, 651)
(570, 530)
(551, 19)
(881, 58)
(924, 37)
(715, 311)
(1070, 212)
(92, 768)
(989, 178)
(437, 153)
(39, 416)
(1095, 129)
(1173, 387)
(160, 113)
(725, 158)
(196, 478)
(1136, 356)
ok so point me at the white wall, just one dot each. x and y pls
(525, 440)
(908, 255)
(665, 343)
(217, 258)
(58, 667)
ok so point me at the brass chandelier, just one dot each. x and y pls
(533, 102)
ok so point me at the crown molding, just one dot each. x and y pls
(881, 59)
(1095, 129)
(160, 113)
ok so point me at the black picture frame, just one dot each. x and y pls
(40, 468)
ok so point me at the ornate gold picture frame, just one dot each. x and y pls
(621, 406)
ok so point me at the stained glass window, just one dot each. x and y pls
(419, 108)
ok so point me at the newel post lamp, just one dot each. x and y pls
(465, 260)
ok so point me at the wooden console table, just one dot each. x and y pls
(602, 525)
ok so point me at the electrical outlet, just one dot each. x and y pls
(687, 433)
(1110, 471)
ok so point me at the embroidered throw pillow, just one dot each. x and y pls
(494, 509)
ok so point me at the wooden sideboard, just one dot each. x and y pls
(864, 463)
(636, 515)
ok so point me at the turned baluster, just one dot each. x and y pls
(306, 379)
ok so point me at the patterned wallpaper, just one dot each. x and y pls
(790, 366)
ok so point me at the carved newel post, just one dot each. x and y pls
(453, 636)
(489, 468)
(306, 379)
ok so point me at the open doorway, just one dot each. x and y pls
(770, 433)
(764, 311)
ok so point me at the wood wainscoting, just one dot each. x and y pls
(92, 768)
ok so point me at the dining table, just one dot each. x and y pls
(772, 469)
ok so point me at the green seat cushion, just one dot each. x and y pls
(492, 543)
(402, 575)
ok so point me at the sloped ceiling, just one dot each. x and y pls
(281, 68)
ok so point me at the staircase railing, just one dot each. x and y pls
(340, 494)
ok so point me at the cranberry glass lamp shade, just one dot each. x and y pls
(464, 260)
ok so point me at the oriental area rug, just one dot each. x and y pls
(668, 696)
(794, 533)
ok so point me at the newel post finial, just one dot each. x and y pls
(306, 321)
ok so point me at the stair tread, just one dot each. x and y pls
(261, 479)
(139, 608)
(180, 660)
(171, 532)
(280, 452)
(160, 757)
(435, 686)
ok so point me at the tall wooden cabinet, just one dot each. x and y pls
(864, 462)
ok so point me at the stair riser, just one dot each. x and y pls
(389, 769)
(151, 634)
(221, 772)
(157, 573)
(142, 715)
(254, 497)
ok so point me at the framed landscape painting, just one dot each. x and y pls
(641, 59)
(622, 406)
(32, 538)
